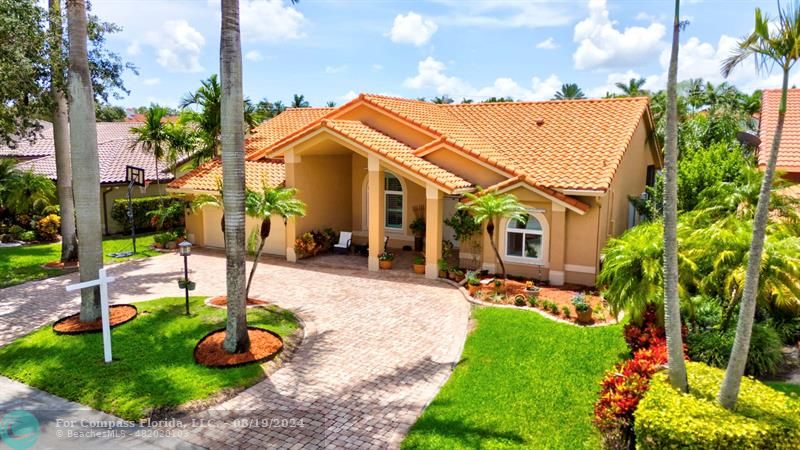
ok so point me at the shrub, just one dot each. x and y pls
(554, 308)
(533, 300)
(764, 417)
(519, 300)
(171, 215)
(304, 246)
(141, 207)
(714, 349)
(419, 260)
(27, 236)
(47, 227)
(165, 237)
(16, 231)
(648, 333)
(566, 312)
(580, 303)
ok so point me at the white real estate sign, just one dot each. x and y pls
(102, 281)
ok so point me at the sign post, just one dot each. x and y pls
(102, 281)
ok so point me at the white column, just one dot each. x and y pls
(375, 220)
(433, 229)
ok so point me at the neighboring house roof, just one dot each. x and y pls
(114, 155)
(43, 146)
(208, 177)
(789, 151)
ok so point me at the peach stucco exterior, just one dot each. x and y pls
(338, 163)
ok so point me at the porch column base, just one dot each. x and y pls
(372, 264)
(431, 271)
(556, 277)
(291, 256)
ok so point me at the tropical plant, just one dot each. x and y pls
(85, 160)
(279, 201)
(633, 88)
(488, 207)
(386, 256)
(27, 192)
(569, 91)
(153, 136)
(580, 303)
(443, 100)
(770, 44)
(299, 100)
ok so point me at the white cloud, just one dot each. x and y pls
(547, 44)
(178, 46)
(151, 81)
(504, 14)
(602, 45)
(652, 82)
(335, 69)
(647, 17)
(270, 21)
(253, 55)
(377, 67)
(134, 49)
(431, 75)
(348, 96)
(412, 29)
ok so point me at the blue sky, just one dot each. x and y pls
(330, 50)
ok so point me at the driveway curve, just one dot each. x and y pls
(376, 351)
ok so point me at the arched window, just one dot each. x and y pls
(393, 192)
(525, 241)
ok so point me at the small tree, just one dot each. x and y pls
(262, 205)
(466, 230)
(490, 208)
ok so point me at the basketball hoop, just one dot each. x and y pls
(134, 176)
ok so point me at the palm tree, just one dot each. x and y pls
(672, 308)
(490, 208)
(633, 88)
(569, 91)
(299, 101)
(69, 235)
(262, 205)
(153, 136)
(85, 160)
(330, 104)
(443, 100)
(27, 192)
(777, 46)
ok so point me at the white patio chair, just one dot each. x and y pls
(345, 240)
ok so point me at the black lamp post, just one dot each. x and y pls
(186, 250)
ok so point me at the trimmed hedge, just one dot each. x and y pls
(141, 206)
(764, 417)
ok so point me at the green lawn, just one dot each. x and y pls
(524, 381)
(788, 388)
(21, 264)
(153, 361)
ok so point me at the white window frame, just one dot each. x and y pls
(365, 205)
(386, 194)
(542, 260)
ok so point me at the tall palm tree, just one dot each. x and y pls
(262, 205)
(672, 309)
(490, 208)
(633, 88)
(569, 91)
(85, 160)
(695, 93)
(299, 100)
(153, 136)
(776, 46)
(443, 100)
(69, 235)
(28, 192)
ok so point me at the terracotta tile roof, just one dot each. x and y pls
(789, 151)
(114, 155)
(208, 176)
(282, 125)
(43, 146)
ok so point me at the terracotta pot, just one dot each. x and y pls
(585, 317)
(385, 265)
(419, 268)
(472, 288)
(442, 274)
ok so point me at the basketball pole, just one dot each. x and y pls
(130, 215)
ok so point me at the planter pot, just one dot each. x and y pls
(533, 291)
(419, 268)
(457, 277)
(472, 288)
(442, 274)
(172, 245)
(183, 285)
(385, 265)
(585, 317)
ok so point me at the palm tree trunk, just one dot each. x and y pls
(255, 260)
(729, 391)
(69, 237)
(672, 309)
(85, 162)
(490, 231)
(233, 191)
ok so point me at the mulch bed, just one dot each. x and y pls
(62, 266)
(264, 345)
(560, 295)
(222, 301)
(118, 314)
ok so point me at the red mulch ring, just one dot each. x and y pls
(222, 301)
(264, 345)
(61, 265)
(118, 314)
(560, 295)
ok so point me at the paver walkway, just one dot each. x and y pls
(377, 348)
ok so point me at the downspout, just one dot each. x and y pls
(597, 242)
(105, 209)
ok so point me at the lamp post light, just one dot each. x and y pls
(186, 250)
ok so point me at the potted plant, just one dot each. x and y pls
(456, 275)
(473, 282)
(582, 308)
(417, 226)
(443, 267)
(385, 260)
(531, 289)
(419, 264)
(185, 283)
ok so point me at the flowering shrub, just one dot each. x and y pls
(47, 227)
(644, 335)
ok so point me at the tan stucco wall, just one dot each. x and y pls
(462, 166)
(208, 233)
(323, 183)
(388, 125)
(115, 192)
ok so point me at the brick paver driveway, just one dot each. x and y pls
(377, 348)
